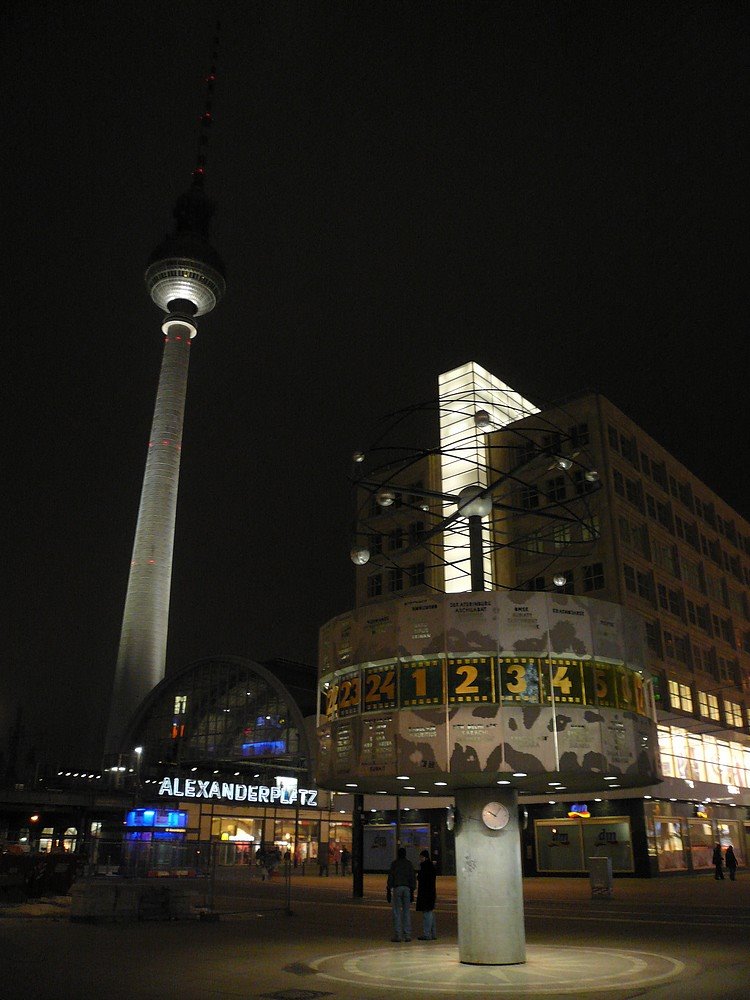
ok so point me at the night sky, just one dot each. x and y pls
(554, 190)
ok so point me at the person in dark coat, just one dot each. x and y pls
(730, 860)
(426, 893)
(718, 862)
(400, 894)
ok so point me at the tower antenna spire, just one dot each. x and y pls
(206, 118)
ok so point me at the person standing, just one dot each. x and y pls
(345, 859)
(426, 893)
(400, 894)
(730, 860)
(718, 862)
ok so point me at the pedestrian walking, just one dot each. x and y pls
(730, 860)
(718, 862)
(426, 894)
(345, 859)
(400, 894)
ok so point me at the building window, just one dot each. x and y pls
(665, 556)
(416, 530)
(645, 583)
(614, 438)
(529, 497)
(556, 488)
(579, 435)
(569, 585)
(664, 516)
(590, 530)
(653, 638)
(708, 706)
(619, 481)
(734, 714)
(727, 670)
(680, 696)
(560, 535)
(676, 647)
(537, 583)
(634, 493)
(629, 451)
(416, 574)
(593, 577)
(374, 585)
(396, 539)
(629, 574)
(659, 475)
(395, 579)
(375, 544)
(691, 573)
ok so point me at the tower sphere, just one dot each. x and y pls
(185, 267)
(182, 278)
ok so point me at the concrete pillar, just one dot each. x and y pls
(488, 877)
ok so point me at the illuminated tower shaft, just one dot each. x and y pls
(143, 640)
(185, 278)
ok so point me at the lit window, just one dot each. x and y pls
(734, 714)
(680, 696)
(708, 705)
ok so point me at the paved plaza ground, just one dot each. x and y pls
(657, 939)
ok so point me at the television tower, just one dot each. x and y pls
(185, 278)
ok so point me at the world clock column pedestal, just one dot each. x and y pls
(488, 877)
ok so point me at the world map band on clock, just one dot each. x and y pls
(426, 682)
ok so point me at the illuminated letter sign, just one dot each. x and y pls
(195, 788)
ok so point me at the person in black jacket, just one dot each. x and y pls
(718, 862)
(400, 893)
(426, 893)
(730, 861)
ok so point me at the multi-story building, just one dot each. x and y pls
(590, 504)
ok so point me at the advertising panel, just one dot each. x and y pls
(559, 845)
(610, 838)
(522, 623)
(377, 754)
(570, 627)
(471, 623)
(606, 625)
(343, 748)
(376, 635)
(421, 628)
(422, 745)
(475, 739)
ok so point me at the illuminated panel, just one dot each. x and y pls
(519, 679)
(470, 679)
(562, 681)
(348, 693)
(422, 683)
(379, 688)
(329, 694)
(463, 391)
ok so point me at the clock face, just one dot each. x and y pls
(495, 816)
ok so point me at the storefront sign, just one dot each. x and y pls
(194, 788)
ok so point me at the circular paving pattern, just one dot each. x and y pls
(548, 969)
